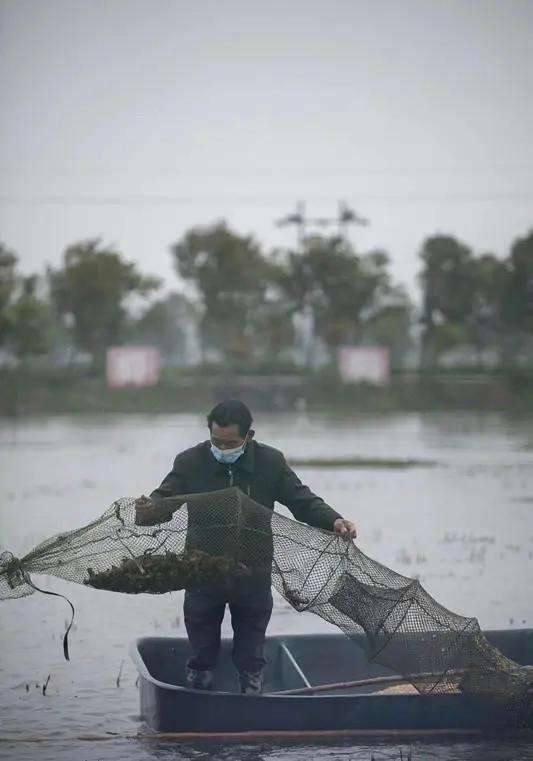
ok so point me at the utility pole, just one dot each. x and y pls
(296, 218)
(345, 217)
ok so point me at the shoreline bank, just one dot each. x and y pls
(31, 393)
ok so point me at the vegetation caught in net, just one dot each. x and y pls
(155, 574)
(225, 537)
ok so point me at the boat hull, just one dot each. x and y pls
(167, 706)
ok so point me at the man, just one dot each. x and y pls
(231, 457)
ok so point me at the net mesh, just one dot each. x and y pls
(223, 537)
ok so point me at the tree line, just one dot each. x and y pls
(247, 304)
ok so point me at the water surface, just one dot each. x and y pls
(464, 528)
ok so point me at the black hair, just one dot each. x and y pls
(231, 412)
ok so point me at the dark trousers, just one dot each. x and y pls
(250, 607)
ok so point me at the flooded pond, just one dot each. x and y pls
(463, 527)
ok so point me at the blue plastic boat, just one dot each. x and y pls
(294, 662)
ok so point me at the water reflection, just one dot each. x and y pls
(152, 750)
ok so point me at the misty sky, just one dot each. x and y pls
(135, 119)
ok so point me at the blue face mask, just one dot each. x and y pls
(227, 456)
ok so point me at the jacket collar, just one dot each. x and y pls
(246, 461)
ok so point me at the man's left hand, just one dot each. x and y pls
(344, 527)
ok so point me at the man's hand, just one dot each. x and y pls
(345, 528)
(150, 512)
(143, 500)
(145, 514)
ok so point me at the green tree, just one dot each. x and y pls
(232, 279)
(480, 301)
(8, 262)
(343, 289)
(93, 286)
(448, 285)
(162, 324)
(484, 325)
(29, 323)
(517, 303)
(25, 322)
(449, 335)
(518, 300)
(448, 280)
(273, 329)
(390, 326)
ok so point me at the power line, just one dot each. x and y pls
(317, 170)
(165, 200)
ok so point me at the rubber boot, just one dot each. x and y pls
(251, 684)
(197, 679)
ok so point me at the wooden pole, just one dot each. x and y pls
(371, 681)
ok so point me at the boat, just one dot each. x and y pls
(301, 661)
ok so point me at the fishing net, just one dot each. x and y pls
(225, 538)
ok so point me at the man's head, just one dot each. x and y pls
(230, 424)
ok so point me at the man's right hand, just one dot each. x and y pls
(150, 512)
(143, 500)
(144, 511)
(345, 528)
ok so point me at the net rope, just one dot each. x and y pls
(225, 538)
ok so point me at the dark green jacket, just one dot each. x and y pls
(261, 472)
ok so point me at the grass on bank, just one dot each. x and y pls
(74, 390)
(361, 462)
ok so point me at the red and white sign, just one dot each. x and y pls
(132, 366)
(364, 364)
